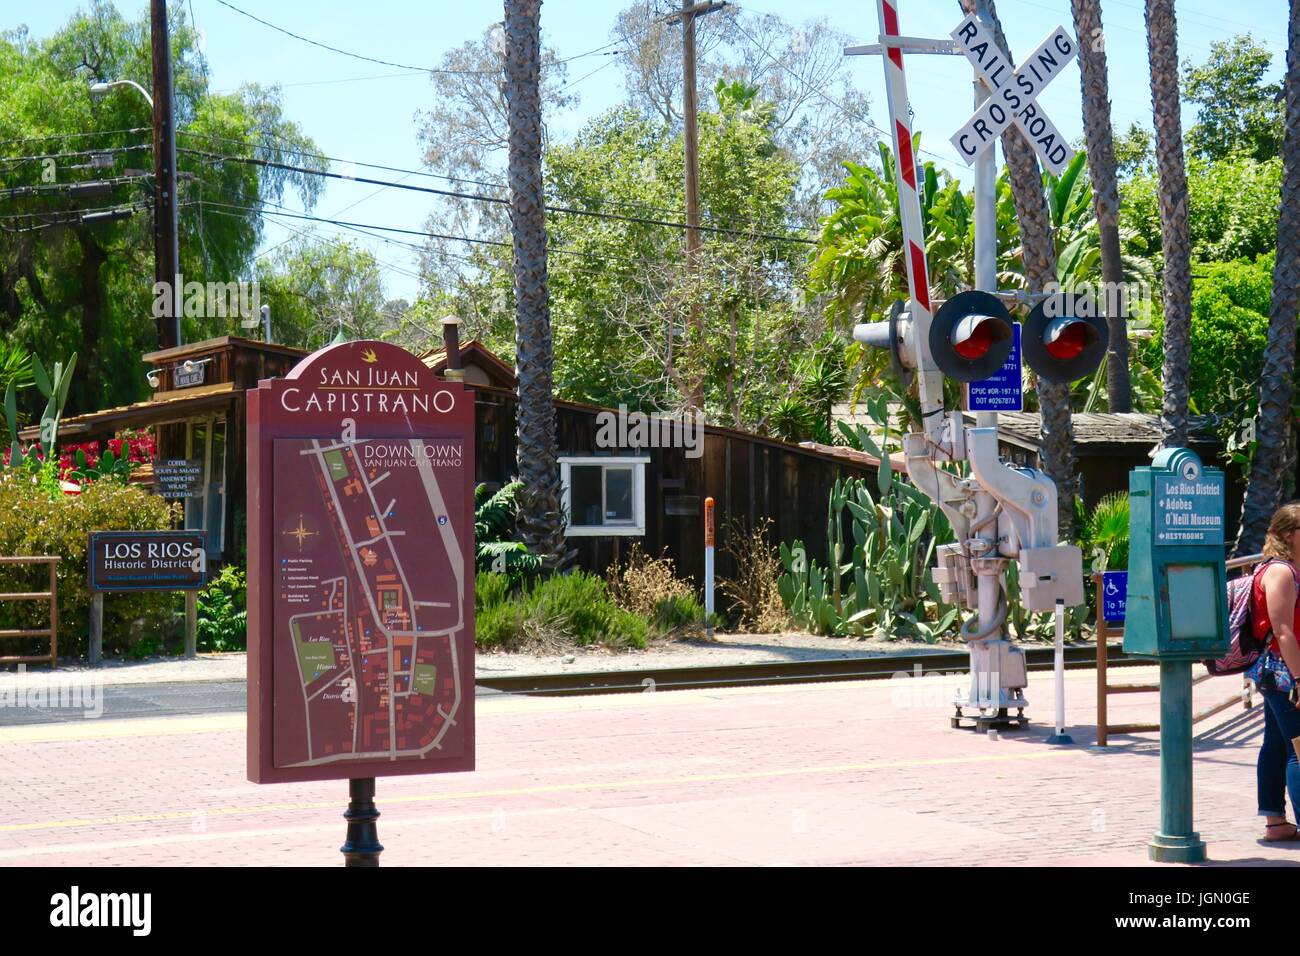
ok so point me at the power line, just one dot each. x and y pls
(497, 243)
(97, 132)
(496, 200)
(107, 150)
(355, 56)
(73, 217)
(83, 186)
(402, 66)
(299, 232)
(486, 184)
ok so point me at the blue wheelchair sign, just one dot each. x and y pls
(1114, 592)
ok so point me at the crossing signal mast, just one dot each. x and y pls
(998, 513)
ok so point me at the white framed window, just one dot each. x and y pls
(604, 495)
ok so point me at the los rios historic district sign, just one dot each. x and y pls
(361, 569)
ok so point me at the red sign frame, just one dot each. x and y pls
(347, 394)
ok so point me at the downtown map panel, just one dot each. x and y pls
(369, 584)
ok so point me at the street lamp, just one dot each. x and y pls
(99, 89)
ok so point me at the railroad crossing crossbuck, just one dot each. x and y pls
(1013, 97)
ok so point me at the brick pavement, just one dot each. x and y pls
(837, 773)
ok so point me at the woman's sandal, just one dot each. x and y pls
(1272, 836)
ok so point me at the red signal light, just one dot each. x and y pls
(974, 335)
(970, 336)
(1070, 339)
(977, 343)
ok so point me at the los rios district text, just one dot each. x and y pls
(139, 555)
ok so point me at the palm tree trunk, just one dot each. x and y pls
(1162, 47)
(1264, 492)
(540, 519)
(1105, 194)
(1056, 431)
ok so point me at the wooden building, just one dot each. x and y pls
(197, 414)
(650, 487)
(649, 484)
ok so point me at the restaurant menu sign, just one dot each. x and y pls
(178, 477)
(147, 561)
(361, 569)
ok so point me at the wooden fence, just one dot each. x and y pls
(52, 596)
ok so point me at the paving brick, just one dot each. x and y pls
(834, 773)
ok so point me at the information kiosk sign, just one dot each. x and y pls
(361, 569)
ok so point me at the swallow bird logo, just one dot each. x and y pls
(369, 356)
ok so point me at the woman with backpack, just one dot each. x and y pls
(1275, 620)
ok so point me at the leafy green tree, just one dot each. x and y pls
(620, 292)
(1134, 151)
(1232, 209)
(70, 284)
(1238, 111)
(1230, 306)
(316, 287)
(1271, 468)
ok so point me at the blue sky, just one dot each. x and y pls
(366, 112)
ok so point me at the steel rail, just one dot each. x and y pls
(767, 673)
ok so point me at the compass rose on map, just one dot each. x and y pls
(301, 533)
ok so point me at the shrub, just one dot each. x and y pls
(495, 517)
(498, 625)
(643, 584)
(753, 592)
(555, 612)
(490, 589)
(223, 612)
(576, 605)
(683, 610)
(33, 522)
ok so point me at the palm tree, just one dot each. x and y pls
(1038, 252)
(540, 519)
(1105, 189)
(1275, 390)
(1162, 49)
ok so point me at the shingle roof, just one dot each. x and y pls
(1100, 428)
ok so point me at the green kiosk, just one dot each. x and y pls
(1177, 613)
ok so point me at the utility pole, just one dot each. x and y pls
(690, 139)
(166, 247)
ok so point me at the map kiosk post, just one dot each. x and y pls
(361, 576)
(1176, 612)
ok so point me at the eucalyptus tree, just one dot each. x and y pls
(70, 282)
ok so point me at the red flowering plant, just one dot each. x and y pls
(128, 449)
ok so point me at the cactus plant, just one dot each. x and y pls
(55, 389)
(11, 419)
(889, 591)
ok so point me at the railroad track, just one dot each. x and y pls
(777, 672)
